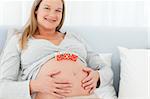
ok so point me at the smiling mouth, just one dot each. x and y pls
(49, 20)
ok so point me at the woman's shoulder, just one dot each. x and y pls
(13, 41)
(14, 33)
(14, 38)
(77, 36)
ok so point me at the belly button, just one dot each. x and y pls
(74, 73)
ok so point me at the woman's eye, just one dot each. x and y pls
(46, 8)
(58, 11)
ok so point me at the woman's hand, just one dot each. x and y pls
(90, 81)
(50, 85)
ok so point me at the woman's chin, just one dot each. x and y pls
(49, 26)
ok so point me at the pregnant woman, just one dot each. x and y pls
(44, 63)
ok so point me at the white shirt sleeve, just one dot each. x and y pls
(10, 87)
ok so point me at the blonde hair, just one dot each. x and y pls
(31, 26)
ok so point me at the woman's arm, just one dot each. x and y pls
(99, 68)
(95, 62)
(10, 87)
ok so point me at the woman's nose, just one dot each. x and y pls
(52, 14)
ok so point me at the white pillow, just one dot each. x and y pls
(106, 57)
(106, 92)
(134, 75)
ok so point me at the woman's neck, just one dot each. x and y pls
(48, 32)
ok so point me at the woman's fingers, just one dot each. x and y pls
(89, 87)
(53, 73)
(63, 86)
(61, 91)
(92, 90)
(57, 95)
(88, 78)
(85, 85)
(61, 81)
(87, 69)
(90, 81)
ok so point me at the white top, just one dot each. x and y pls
(19, 67)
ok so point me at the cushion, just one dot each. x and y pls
(106, 57)
(134, 73)
(106, 92)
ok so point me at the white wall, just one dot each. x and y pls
(14, 12)
(147, 14)
(112, 13)
(117, 13)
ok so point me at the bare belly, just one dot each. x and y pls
(70, 70)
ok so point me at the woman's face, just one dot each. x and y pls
(49, 14)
